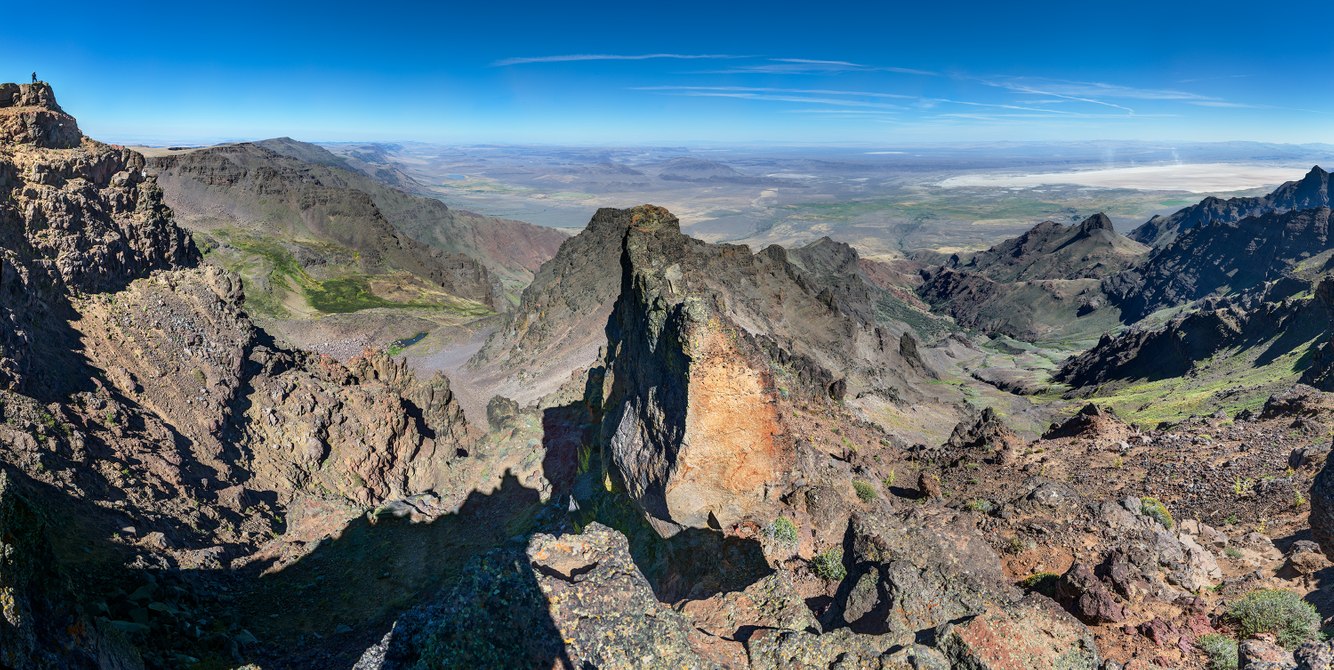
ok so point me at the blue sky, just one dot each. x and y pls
(869, 73)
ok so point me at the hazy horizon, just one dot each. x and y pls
(691, 74)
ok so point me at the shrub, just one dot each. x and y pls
(1283, 613)
(1041, 582)
(865, 491)
(828, 565)
(981, 505)
(782, 530)
(1232, 553)
(1152, 508)
(1221, 650)
(890, 479)
(1016, 545)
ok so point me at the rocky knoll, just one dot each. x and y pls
(1309, 192)
(29, 115)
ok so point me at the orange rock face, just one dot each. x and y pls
(729, 458)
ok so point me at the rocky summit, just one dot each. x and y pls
(634, 448)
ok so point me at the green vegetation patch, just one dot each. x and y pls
(270, 270)
(865, 492)
(1214, 385)
(1221, 651)
(1156, 510)
(782, 530)
(1041, 582)
(1282, 613)
(828, 565)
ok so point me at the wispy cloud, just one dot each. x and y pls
(838, 98)
(767, 89)
(1220, 77)
(1227, 105)
(813, 66)
(571, 58)
(1096, 93)
(802, 99)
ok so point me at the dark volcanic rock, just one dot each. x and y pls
(1309, 192)
(1236, 255)
(1086, 597)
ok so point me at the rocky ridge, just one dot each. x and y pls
(140, 397)
(1309, 192)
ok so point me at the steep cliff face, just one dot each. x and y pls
(706, 343)
(77, 216)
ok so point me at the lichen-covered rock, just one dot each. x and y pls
(1085, 596)
(576, 599)
(1032, 635)
(841, 649)
(916, 571)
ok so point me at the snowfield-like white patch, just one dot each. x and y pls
(1189, 177)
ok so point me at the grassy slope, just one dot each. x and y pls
(278, 286)
(1230, 381)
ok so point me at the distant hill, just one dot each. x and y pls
(1051, 250)
(292, 189)
(1042, 284)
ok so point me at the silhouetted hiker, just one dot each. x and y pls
(34, 77)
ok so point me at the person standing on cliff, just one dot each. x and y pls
(34, 77)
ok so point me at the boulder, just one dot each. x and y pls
(1086, 597)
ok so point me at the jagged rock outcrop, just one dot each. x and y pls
(986, 434)
(29, 115)
(698, 338)
(1090, 421)
(77, 216)
(557, 326)
(370, 432)
(1309, 192)
(142, 403)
